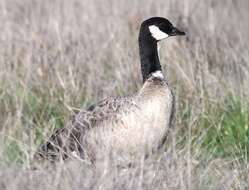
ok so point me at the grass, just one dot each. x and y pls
(228, 130)
(59, 56)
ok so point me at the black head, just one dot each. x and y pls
(159, 28)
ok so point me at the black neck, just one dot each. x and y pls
(148, 56)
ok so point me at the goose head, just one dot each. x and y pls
(158, 28)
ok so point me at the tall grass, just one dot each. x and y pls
(59, 56)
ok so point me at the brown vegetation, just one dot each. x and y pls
(59, 56)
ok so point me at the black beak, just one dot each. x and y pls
(176, 32)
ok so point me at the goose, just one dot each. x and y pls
(128, 125)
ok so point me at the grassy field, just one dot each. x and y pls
(59, 56)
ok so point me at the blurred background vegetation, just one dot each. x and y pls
(59, 56)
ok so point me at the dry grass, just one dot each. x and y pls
(57, 56)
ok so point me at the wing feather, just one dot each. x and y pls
(67, 139)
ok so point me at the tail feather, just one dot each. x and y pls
(60, 145)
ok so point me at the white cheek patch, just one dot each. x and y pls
(158, 74)
(157, 33)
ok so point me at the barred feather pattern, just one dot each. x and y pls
(122, 125)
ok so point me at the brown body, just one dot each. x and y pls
(126, 126)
